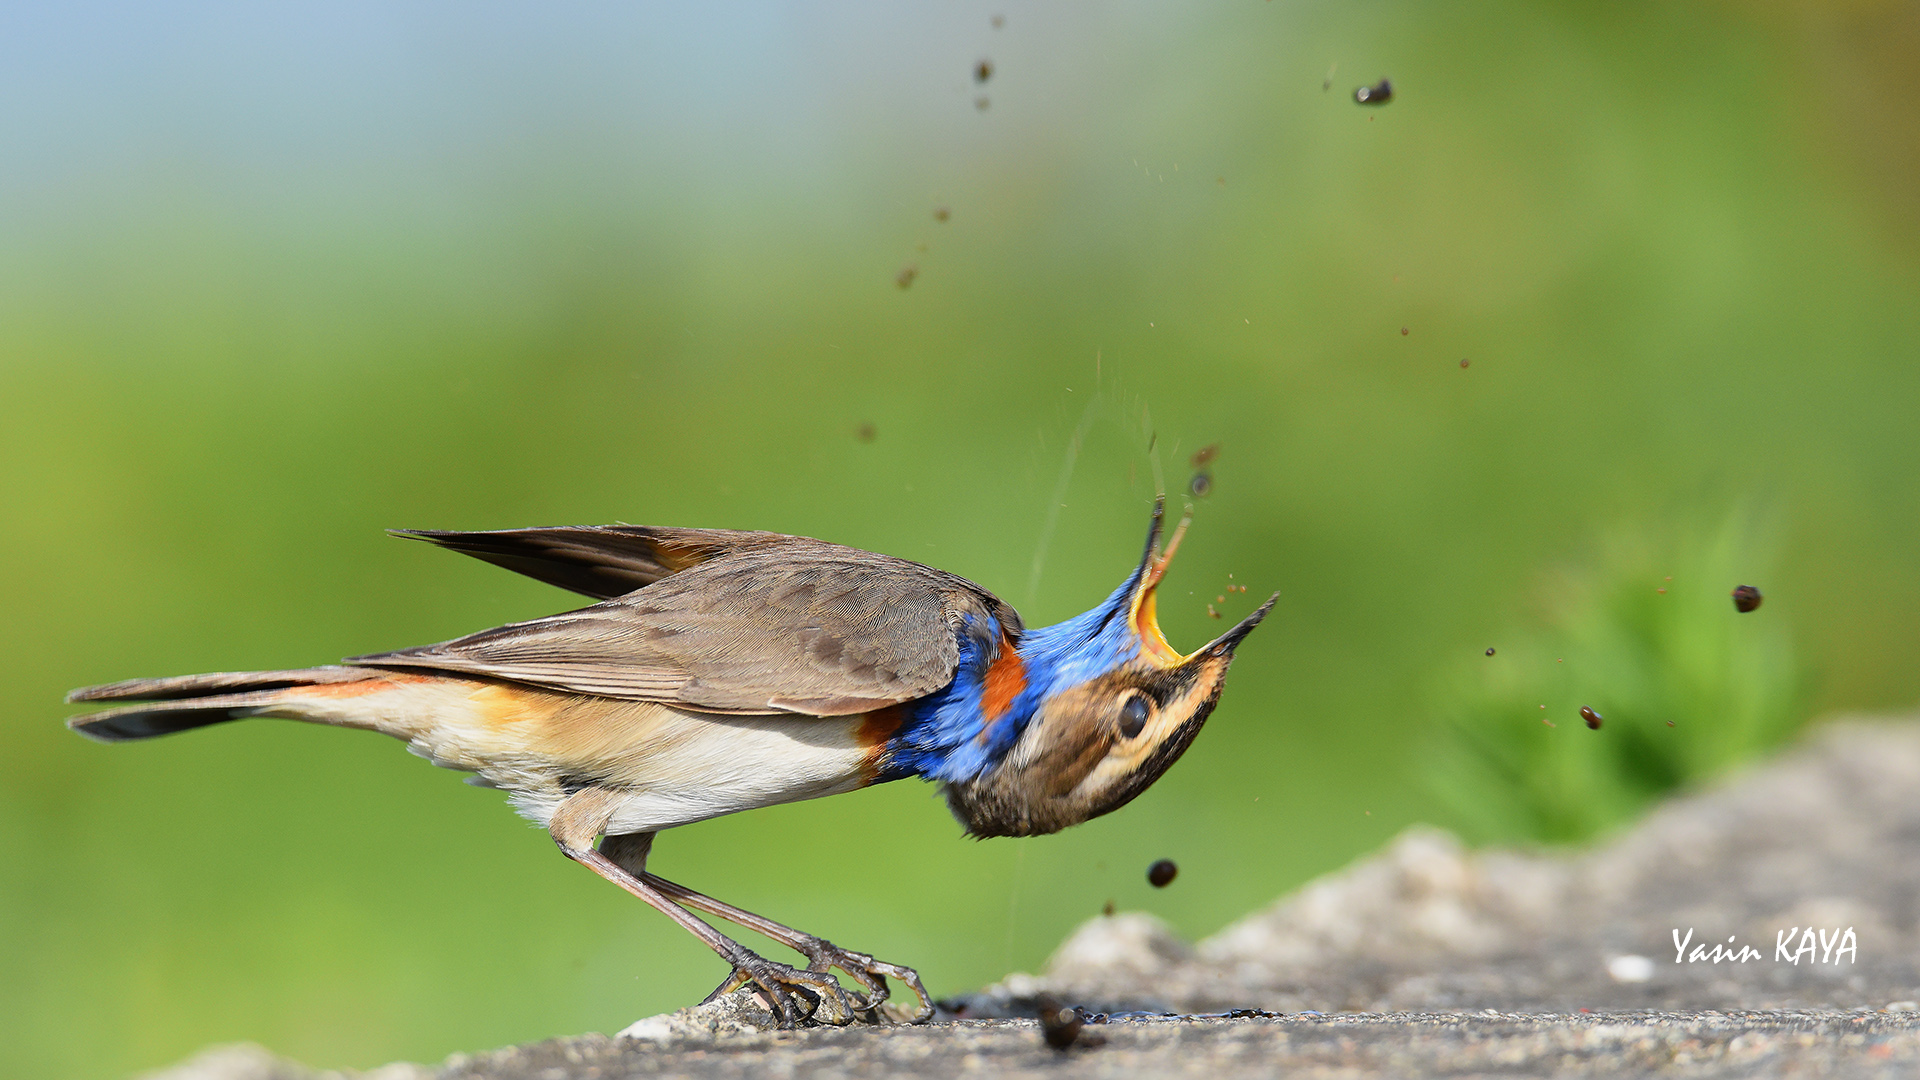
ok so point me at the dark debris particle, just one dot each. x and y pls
(1489, 652)
(941, 213)
(983, 71)
(1404, 331)
(1204, 455)
(1060, 1024)
(1200, 484)
(1592, 718)
(999, 21)
(1463, 362)
(1746, 598)
(865, 432)
(1161, 874)
(1378, 94)
(905, 277)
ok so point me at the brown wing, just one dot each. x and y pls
(602, 561)
(784, 624)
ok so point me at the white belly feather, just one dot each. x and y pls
(674, 767)
(719, 765)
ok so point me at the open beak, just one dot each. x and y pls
(1143, 611)
(1229, 641)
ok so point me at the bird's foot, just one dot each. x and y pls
(794, 995)
(823, 956)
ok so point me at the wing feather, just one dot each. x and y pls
(763, 624)
(601, 561)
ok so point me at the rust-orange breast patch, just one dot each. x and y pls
(1006, 677)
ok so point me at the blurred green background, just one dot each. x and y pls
(273, 280)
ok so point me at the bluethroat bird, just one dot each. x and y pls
(723, 671)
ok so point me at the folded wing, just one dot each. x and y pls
(603, 561)
(725, 622)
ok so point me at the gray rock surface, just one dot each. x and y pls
(1396, 966)
(1826, 837)
(1349, 1046)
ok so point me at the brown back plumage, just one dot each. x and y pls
(735, 622)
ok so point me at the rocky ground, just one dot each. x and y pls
(1346, 1045)
(1431, 960)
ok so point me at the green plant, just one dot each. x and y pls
(1648, 638)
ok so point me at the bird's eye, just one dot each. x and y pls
(1133, 715)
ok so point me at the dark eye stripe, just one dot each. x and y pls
(1133, 715)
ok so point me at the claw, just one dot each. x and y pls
(924, 1011)
(826, 1001)
(734, 981)
(824, 955)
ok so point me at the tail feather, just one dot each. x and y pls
(185, 702)
(195, 686)
(164, 718)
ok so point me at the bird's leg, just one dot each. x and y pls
(630, 853)
(822, 955)
(581, 817)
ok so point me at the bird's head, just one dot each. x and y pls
(1118, 706)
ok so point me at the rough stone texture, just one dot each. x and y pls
(1828, 837)
(1424, 942)
(741, 1012)
(1697, 1045)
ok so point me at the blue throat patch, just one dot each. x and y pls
(942, 736)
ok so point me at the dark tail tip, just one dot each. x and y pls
(130, 725)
